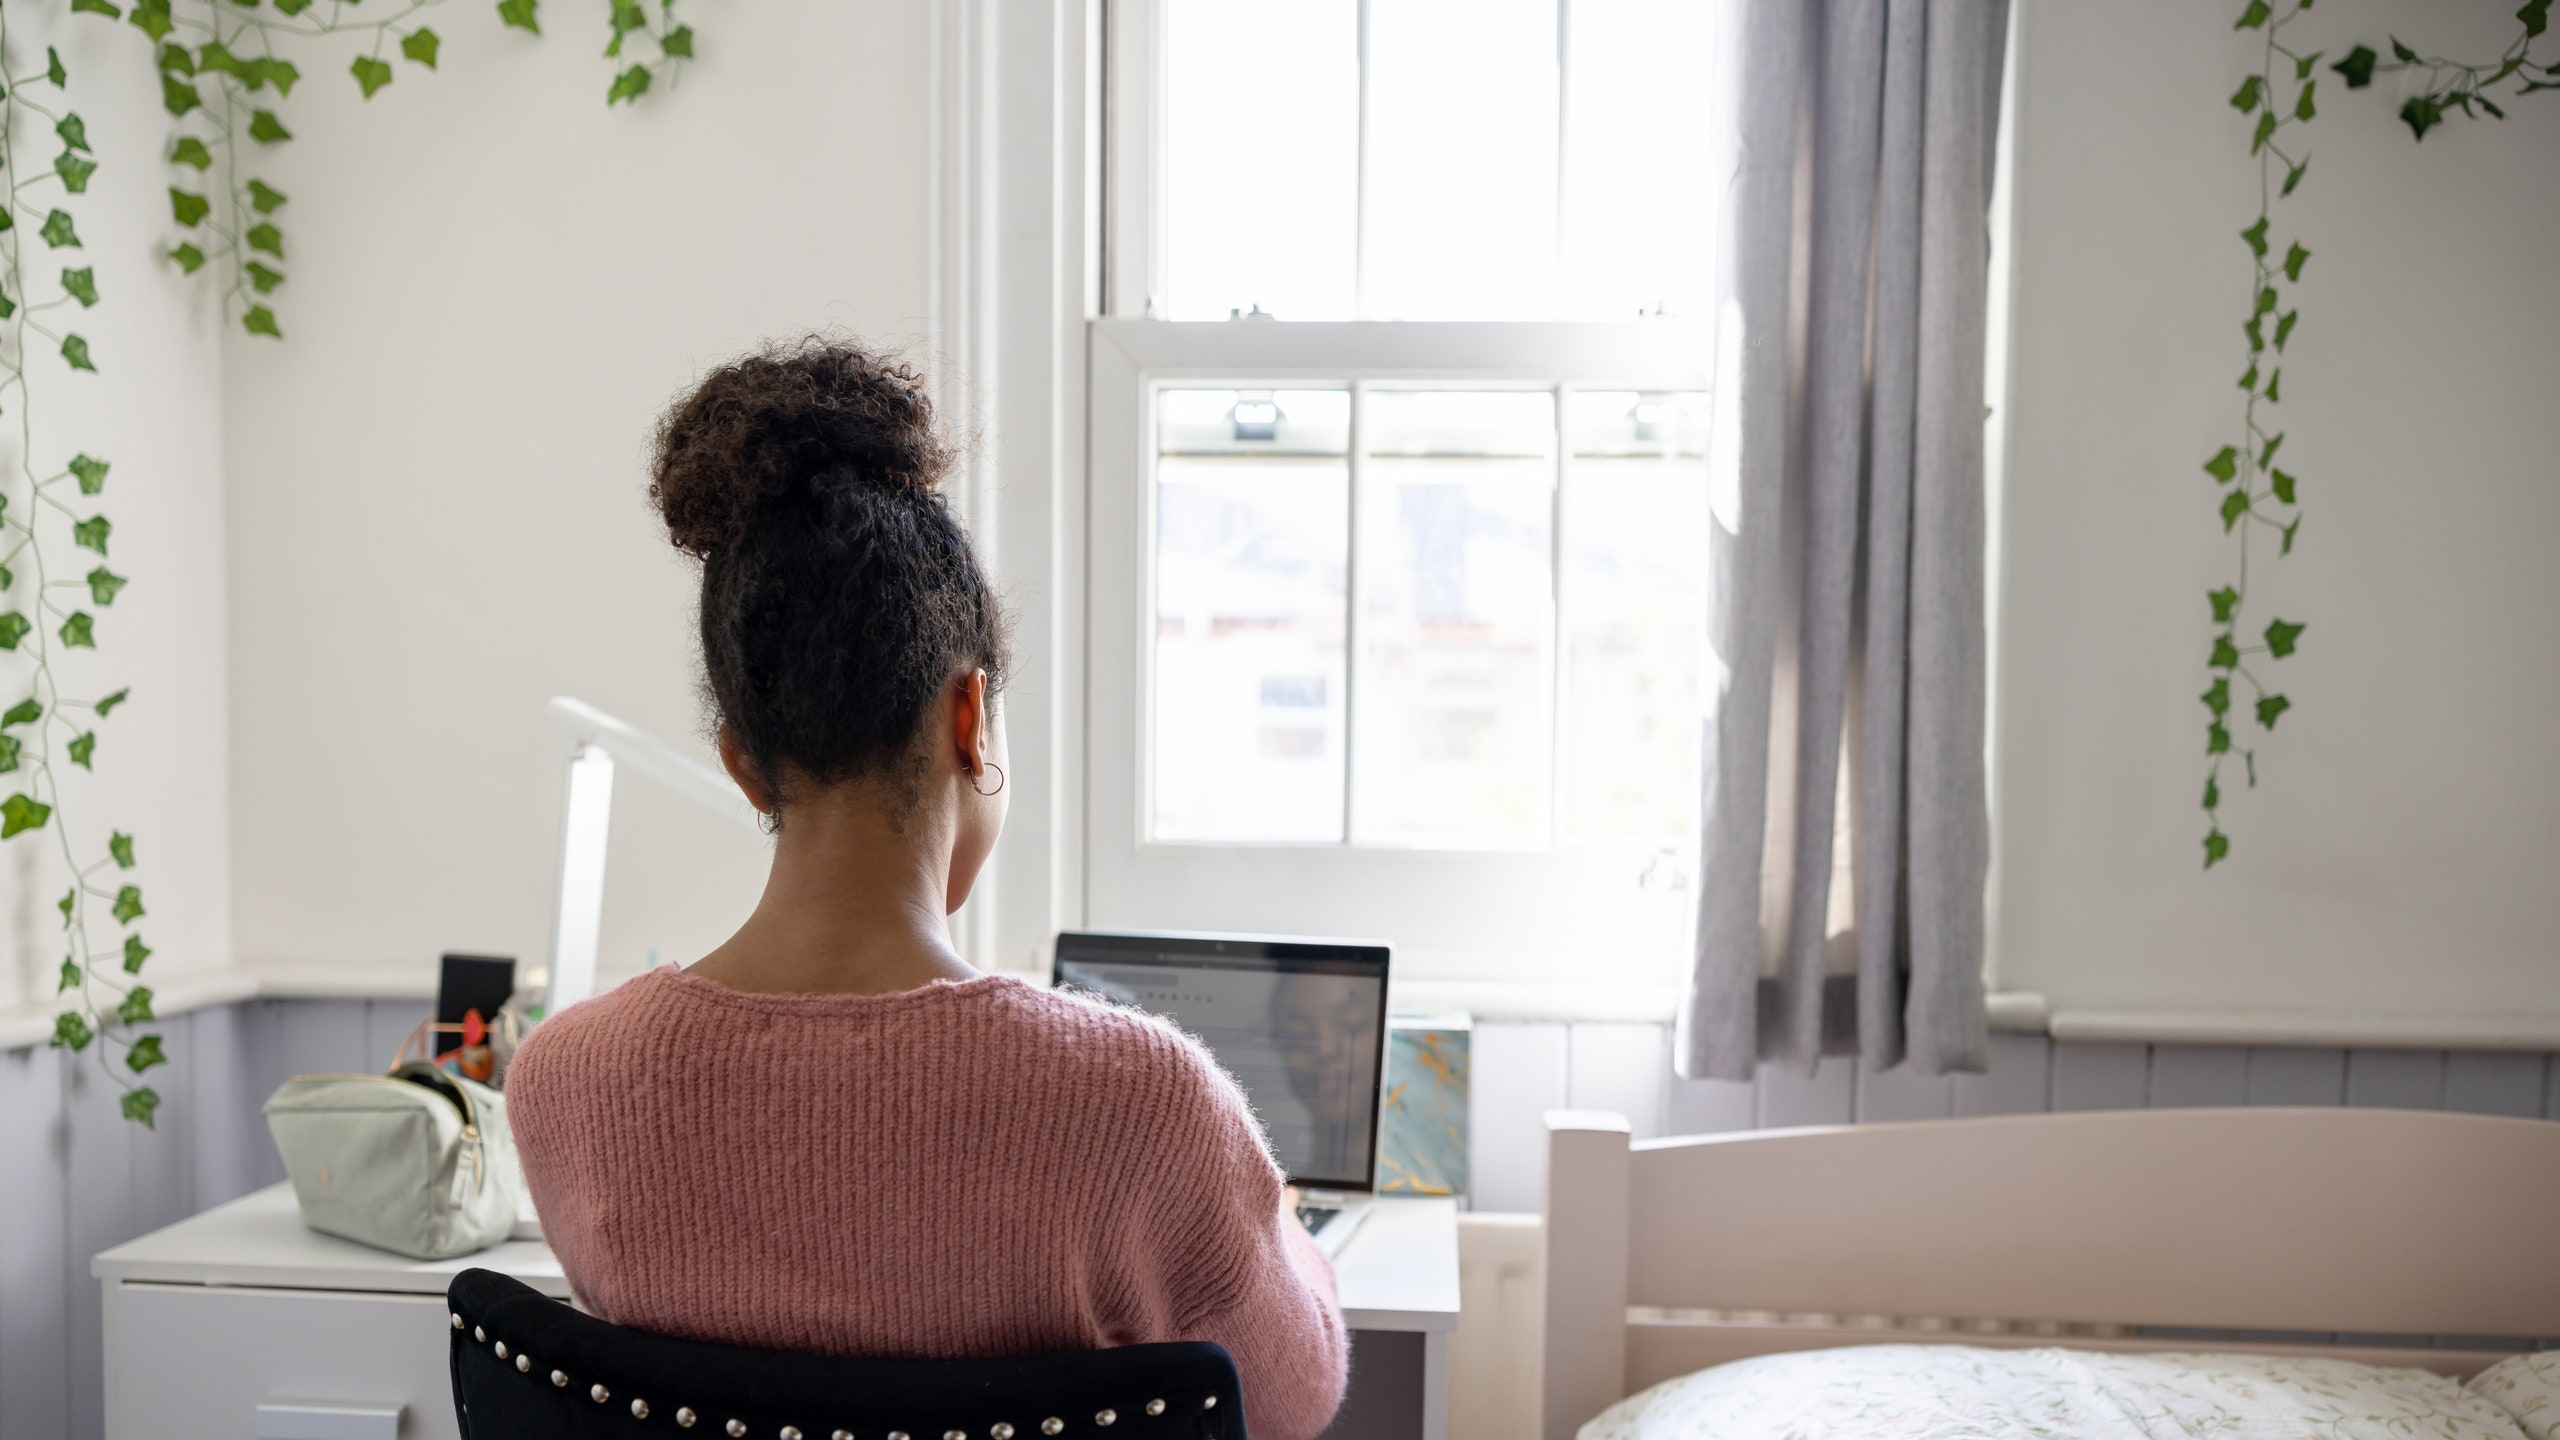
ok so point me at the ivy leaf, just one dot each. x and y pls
(81, 285)
(2245, 99)
(2266, 132)
(139, 1103)
(75, 353)
(70, 977)
(189, 207)
(70, 1032)
(2234, 505)
(2275, 386)
(177, 96)
(2357, 67)
(2403, 53)
(2212, 793)
(2256, 333)
(2215, 848)
(2302, 67)
(135, 1009)
(53, 70)
(260, 276)
(520, 14)
(267, 237)
(128, 906)
(2287, 547)
(102, 707)
(2217, 740)
(78, 631)
(281, 73)
(631, 84)
(2281, 635)
(2536, 16)
(2303, 108)
(90, 471)
(22, 812)
(70, 898)
(120, 849)
(215, 58)
(24, 712)
(371, 75)
(2249, 381)
(2421, 114)
(266, 129)
(2269, 707)
(2224, 464)
(2266, 298)
(2225, 602)
(145, 1052)
(264, 198)
(2293, 175)
(677, 44)
(135, 952)
(2267, 456)
(103, 585)
(292, 7)
(83, 746)
(261, 321)
(2217, 696)
(14, 627)
(59, 232)
(152, 18)
(2283, 486)
(420, 45)
(2226, 655)
(189, 258)
(91, 534)
(2284, 328)
(10, 750)
(2252, 17)
(2256, 235)
(73, 130)
(177, 60)
(75, 172)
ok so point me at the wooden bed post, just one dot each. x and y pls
(1585, 1365)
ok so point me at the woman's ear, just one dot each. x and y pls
(969, 722)
(733, 758)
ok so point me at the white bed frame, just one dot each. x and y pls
(2354, 1233)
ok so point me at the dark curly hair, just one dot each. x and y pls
(839, 592)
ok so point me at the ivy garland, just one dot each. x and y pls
(2255, 493)
(232, 49)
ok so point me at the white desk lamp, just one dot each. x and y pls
(596, 741)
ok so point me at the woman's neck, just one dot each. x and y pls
(854, 903)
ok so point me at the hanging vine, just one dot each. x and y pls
(236, 51)
(2258, 498)
(2255, 494)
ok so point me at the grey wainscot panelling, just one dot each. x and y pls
(75, 1178)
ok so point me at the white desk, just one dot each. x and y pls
(241, 1306)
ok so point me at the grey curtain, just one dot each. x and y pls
(1848, 624)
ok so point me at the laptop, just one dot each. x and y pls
(1300, 1023)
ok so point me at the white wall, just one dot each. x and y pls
(436, 503)
(154, 413)
(2397, 857)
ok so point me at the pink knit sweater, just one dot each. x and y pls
(981, 1168)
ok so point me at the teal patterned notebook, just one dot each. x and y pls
(1422, 1138)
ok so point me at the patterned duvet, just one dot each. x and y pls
(1960, 1392)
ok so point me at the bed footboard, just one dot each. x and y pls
(1585, 1367)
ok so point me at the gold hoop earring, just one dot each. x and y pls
(973, 780)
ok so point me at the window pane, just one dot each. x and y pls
(1252, 546)
(1461, 184)
(1456, 603)
(1638, 198)
(1261, 155)
(1634, 585)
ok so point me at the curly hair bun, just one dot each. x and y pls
(769, 437)
(840, 595)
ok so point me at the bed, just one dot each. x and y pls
(2333, 1245)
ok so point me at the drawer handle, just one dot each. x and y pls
(328, 1420)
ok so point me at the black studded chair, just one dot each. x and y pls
(526, 1367)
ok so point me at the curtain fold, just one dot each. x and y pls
(1847, 622)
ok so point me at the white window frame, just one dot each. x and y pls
(1565, 912)
(1600, 916)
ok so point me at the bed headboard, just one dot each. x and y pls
(2383, 1227)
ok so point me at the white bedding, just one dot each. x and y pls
(1959, 1392)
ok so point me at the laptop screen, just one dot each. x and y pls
(1300, 1024)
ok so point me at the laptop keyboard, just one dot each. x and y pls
(1314, 1213)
